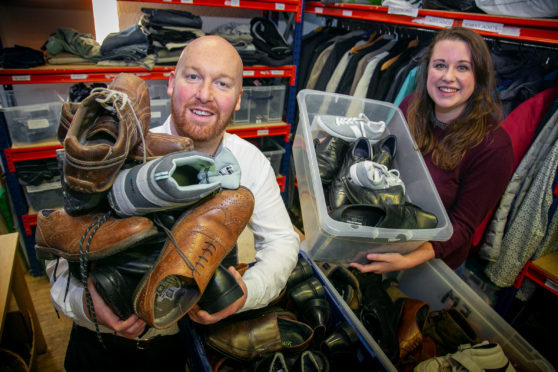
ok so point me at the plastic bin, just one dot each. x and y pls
(334, 241)
(367, 353)
(274, 153)
(260, 105)
(30, 125)
(435, 283)
(160, 111)
(47, 195)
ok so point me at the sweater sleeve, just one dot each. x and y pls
(482, 178)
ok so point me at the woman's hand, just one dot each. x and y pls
(129, 328)
(388, 262)
(203, 317)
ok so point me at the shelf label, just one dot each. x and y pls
(279, 6)
(262, 132)
(347, 13)
(232, 2)
(21, 77)
(187, 1)
(78, 76)
(483, 26)
(438, 21)
(319, 9)
(277, 72)
(510, 31)
(37, 123)
(248, 73)
(110, 76)
(412, 12)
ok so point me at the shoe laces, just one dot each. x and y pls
(114, 98)
(362, 122)
(380, 175)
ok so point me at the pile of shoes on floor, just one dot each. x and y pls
(135, 206)
(299, 331)
(412, 336)
(355, 160)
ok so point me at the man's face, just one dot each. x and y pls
(205, 89)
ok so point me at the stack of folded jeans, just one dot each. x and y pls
(170, 31)
(239, 36)
(129, 46)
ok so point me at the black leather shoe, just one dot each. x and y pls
(115, 288)
(341, 340)
(385, 150)
(222, 290)
(362, 195)
(302, 271)
(359, 150)
(346, 283)
(316, 313)
(306, 290)
(273, 363)
(405, 216)
(311, 361)
(330, 152)
(378, 313)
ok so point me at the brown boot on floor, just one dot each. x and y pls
(197, 244)
(59, 235)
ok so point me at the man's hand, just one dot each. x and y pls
(203, 317)
(129, 328)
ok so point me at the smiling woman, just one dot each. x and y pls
(454, 117)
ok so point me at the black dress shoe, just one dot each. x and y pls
(346, 283)
(307, 290)
(385, 150)
(341, 340)
(222, 290)
(311, 361)
(115, 288)
(404, 216)
(330, 152)
(316, 313)
(271, 363)
(302, 271)
(359, 150)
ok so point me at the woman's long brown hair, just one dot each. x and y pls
(482, 112)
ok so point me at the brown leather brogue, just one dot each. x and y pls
(59, 235)
(92, 164)
(197, 244)
(156, 144)
(248, 338)
(411, 324)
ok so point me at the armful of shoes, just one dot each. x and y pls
(203, 317)
(388, 262)
(129, 328)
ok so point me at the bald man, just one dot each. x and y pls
(205, 90)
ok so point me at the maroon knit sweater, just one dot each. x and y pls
(470, 191)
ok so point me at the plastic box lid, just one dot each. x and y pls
(335, 241)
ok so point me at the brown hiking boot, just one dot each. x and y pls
(60, 235)
(197, 244)
(93, 161)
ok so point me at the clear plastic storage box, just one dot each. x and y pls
(33, 124)
(334, 241)
(160, 111)
(274, 152)
(47, 195)
(260, 105)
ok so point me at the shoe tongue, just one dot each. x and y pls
(105, 125)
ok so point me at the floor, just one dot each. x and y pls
(57, 329)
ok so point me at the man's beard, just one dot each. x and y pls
(195, 132)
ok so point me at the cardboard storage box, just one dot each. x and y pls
(333, 241)
(260, 105)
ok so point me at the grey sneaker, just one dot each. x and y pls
(373, 183)
(170, 182)
(351, 128)
(481, 357)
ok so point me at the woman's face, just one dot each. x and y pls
(451, 79)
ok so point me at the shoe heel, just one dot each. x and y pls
(44, 255)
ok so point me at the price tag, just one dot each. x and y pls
(232, 2)
(187, 1)
(166, 74)
(78, 76)
(319, 10)
(412, 12)
(277, 72)
(262, 132)
(279, 6)
(248, 73)
(483, 26)
(438, 21)
(21, 77)
(510, 31)
(347, 13)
